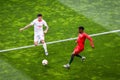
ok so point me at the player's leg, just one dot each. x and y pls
(35, 43)
(81, 57)
(70, 61)
(79, 51)
(76, 52)
(45, 47)
(42, 39)
(36, 40)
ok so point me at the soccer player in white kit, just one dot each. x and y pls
(38, 31)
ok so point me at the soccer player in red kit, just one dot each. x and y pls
(80, 45)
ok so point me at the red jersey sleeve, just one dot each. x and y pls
(90, 39)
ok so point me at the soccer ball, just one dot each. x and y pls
(83, 57)
(44, 62)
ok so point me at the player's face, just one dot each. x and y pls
(40, 18)
(80, 30)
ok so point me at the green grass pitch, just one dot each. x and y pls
(63, 18)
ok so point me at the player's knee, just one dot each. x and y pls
(42, 41)
(73, 55)
(35, 43)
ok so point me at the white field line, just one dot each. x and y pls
(69, 39)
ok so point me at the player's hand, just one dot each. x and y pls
(76, 41)
(45, 31)
(21, 29)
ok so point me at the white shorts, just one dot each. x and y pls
(38, 37)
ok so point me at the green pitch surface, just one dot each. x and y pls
(63, 18)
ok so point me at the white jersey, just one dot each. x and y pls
(38, 26)
(38, 29)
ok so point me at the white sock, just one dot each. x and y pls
(38, 40)
(45, 47)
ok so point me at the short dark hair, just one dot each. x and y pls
(39, 15)
(81, 27)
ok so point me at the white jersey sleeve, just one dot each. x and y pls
(33, 22)
(45, 24)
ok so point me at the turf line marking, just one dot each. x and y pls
(69, 39)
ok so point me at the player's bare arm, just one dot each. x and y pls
(75, 41)
(29, 25)
(46, 30)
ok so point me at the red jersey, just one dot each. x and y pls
(81, 39)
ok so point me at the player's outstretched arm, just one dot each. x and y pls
(21, 29)
(91, 40)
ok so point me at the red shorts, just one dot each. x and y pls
(78, 49)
